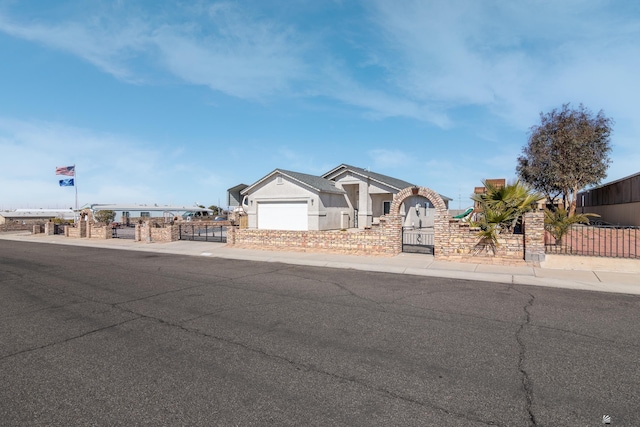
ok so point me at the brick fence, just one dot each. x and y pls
(453, 239)
(383, 239)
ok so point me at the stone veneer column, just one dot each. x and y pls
(391, 226)
(534, 236)
(231, 235)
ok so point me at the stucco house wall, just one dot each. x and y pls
(421, 217)
(278, 189)
(364, 195)
(334, 207)
(324, 210)
(345, 197)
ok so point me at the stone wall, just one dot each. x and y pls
(168, 233)
(460, 242)
(76, 231)
(22, 224)
(99, 231)
(384, 239)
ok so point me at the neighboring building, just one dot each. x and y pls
(234, 196)
(21, 218)
(499, 183)
(616, 202)
(344, 197)
(126, 214)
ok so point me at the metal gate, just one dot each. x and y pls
(123, 231)
(204, 233)
(418, 240)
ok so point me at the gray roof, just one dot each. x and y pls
(315, 182)
(238, 187)
(132, 207)
(38, 213)
(398, 184)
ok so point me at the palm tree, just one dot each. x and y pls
(502, 207)
(558, 222)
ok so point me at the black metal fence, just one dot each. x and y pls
(204, 233)
(418, 240)
(602, 241)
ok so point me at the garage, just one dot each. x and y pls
(283, 216)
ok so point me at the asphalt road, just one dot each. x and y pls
(105, 337)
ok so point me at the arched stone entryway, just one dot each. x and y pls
(441, 213)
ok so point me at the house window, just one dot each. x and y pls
(386, 208)
(279, 180)
(144, 215)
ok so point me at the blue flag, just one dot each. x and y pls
(66, 182)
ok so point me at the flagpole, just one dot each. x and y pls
(75, 183)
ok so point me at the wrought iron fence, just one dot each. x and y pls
(418, 240)
(602, 241)
(204, 233)
(121, 231)
(59, 229)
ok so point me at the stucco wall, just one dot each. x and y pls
(369, 198)
(272, 191)
(332, 207)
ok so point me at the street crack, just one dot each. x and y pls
(527, 384)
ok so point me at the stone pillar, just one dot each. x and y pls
(231, 235)
(49, 228)
(145, 231)
(82, 228)
(175, 232)
(137, 235)
(533, 224)
(391, 226)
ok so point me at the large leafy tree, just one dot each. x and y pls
(566, 152)
(104, 216)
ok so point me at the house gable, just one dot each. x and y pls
(379, 183)
(310, 182)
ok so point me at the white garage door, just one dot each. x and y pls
(283, 216)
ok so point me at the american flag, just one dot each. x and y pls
(66, 170)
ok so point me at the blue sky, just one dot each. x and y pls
(174, 102)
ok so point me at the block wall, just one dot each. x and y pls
(385, 239)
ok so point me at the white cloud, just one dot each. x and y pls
(110, 168)
(384, 158)
(429, 59)
(514, 58)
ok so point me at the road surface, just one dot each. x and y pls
(104, 337)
